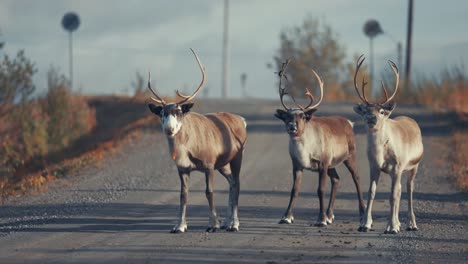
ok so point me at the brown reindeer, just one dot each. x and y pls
(318, 144)
(393, 146)
(204, 143)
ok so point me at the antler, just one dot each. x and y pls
(363, 97)
(311, 97)
(359, 62)
(282, 91)
(187, 98)
(308, 94)
(397, 80)
(159, 100)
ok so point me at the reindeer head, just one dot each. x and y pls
(375, 114)
(296, 118)
(172, 114)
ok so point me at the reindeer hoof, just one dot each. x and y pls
(178, 231)
(363, 229)
(232, 229)
(410, 228)
(320, 224)
(391, 232)
(286, 220)
(211, 230)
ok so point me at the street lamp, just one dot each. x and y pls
(70, 22)
(372, 29)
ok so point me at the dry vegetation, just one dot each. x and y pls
(116, 120)
(449, 93)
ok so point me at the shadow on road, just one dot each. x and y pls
(123, 217)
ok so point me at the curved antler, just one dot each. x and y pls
(159, 100)
(397, 80)
(359, 62)
(187, 98)
(311, 97)
(308, 94)
(282, 91)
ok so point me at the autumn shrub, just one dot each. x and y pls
(70, 117)
(32, 128)
(18, 118)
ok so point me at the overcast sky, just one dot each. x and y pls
(116, 38)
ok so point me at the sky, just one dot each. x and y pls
(117, 38)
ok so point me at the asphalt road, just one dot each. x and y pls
(122, 210)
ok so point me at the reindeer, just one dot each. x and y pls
(204, 143)
(393, 146)
(317, 144)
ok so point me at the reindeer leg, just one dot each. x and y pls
(226, 172)
(288, 217)
(335, 181)
(351, 166)
(409, 189)
(236, 164)
(374, 175)
(181, 227)
(322, 219)
(393, 226)
(213, 222)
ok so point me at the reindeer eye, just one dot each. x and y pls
(382, 111)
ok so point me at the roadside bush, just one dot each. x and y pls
(69, 115)
(30, 129)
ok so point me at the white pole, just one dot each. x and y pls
(225, 77)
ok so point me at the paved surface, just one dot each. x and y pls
(122, 210)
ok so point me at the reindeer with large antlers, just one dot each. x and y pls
(394, 145)
(204, 143)
(317, 144)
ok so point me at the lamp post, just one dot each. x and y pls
(70, 22)
(372, 29)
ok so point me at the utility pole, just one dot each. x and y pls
(225, 77)
(408, 44)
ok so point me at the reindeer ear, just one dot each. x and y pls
(359, 109)
(390, 106)
(186, 107)
(155, 109)
(281, 114)
(309, 114)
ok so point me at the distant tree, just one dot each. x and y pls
(313, 45)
